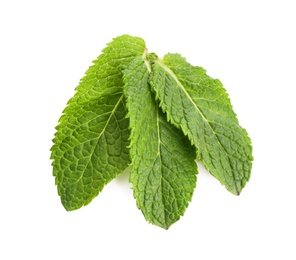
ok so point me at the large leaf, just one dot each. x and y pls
(90, 145)
(163, 168)
(200, 106)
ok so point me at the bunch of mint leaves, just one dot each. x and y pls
(157, 115)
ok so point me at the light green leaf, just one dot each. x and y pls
(90, 145)
(163, 168)
(200, 106)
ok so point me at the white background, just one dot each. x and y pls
(45, 48)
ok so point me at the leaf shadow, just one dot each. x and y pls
(123, 178)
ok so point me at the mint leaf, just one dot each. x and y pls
(200, 106)
(90, 145)
(157, 115)
(163, 168)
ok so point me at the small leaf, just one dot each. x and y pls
(90, 145)
(163, 168)
(200, 106)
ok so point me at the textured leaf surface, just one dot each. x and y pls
(163, 168)
(200, 106)
(90, 145)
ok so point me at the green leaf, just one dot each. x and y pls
(200, 106)
(163, 168)
(90, 145)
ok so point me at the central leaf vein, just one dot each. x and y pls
(99, 137)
